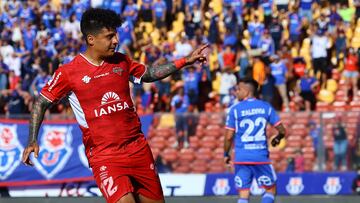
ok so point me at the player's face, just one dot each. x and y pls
(105, 42)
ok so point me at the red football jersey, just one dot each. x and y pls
(100, 99)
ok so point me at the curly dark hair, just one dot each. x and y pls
(95, 19)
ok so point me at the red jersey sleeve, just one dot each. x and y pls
(136, 69)
(57, 87)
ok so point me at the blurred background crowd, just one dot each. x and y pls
(302, 52)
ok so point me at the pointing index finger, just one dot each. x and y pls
(203, 47)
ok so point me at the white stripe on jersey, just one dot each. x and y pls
(273, 172)
(46, 98)
(138, 80)
(269, 111)
(102, 62)
(78, 111)
(236, 119)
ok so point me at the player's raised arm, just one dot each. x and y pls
(159, 72)
(281, 134)
(37, 116)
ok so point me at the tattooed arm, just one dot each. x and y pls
(37, 116)
(159, 72)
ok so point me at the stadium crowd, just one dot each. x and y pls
(296, 50)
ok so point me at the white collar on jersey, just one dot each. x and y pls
(102, 62)
(249, 99)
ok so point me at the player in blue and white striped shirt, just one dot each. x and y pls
(246, 124)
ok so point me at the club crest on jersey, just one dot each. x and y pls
(86, 79)
(332, 185)
(10, 150)
(118, 70)
(221, 186)
(82, 155)
(55, 150)
(295, 186)
(110, 103)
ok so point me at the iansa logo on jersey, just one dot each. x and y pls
(110, 103)
(86, 79)
(10, 150)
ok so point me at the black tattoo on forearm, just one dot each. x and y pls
(37, 116)
(159, 72)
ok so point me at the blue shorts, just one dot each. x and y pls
(351, 74)
(263, 173)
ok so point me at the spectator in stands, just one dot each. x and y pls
(183, 47)
(290, 165)
(340, 44)
(229, 58)
(351, 73)
(159, 15)
(267, 46)
(322, 23)
(281, 5)
(214, 32)
(299, 161)
(227, 81)
(347, 13)
(357, 154)
(357, 6)
(130, 11)
(307, 86)
(314, 133)
(266, 6)
(243, 62)
(305, 9)
(299, 67)
(179, 105)
(276, 30)
(334, 18)
(256, 29)
(162, 165)
(4, 70)
(340, 145)
(39, 82)
(320, 44)
(356, 183)
(146, 12)
(268, 87)
(279, 72)
(17, 101)
(191, 78)
(294, 25)
(259, 72)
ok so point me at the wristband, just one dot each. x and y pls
(226, 154)
(180, 63)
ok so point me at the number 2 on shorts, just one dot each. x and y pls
(107, 186)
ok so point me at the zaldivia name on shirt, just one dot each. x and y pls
(254, 146)
(250, 112)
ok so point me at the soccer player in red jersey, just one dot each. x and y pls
(97, 85)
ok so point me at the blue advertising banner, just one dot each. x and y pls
(321, 183)
(61, 157)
